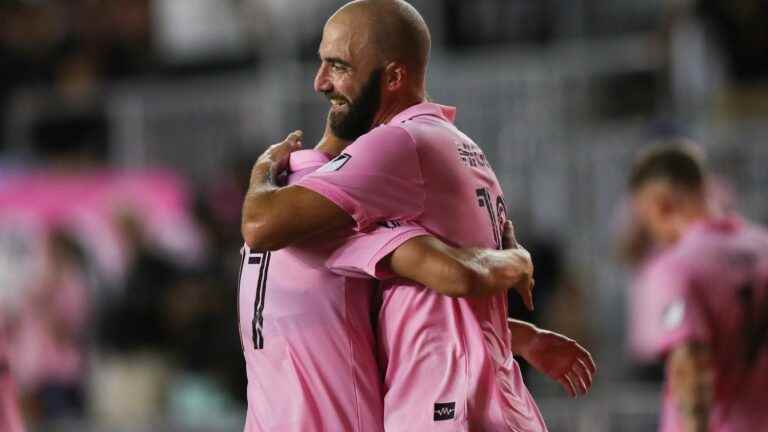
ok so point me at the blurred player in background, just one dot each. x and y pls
(448, 362)
(712, 274)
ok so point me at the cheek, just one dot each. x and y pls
(345, 86)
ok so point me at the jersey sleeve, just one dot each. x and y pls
(361, 254)
(377, 178)
(681, 316)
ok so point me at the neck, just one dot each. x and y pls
(389, 111)
(331, 145)
(699, 212)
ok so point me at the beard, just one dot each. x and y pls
(358, 119)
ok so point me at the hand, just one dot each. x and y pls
(525, 286)
(275, 159)
(561, 359)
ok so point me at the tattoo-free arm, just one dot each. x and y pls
(462, 272)
(691, 384)
(275, 217)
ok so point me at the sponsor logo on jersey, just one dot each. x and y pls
(445, 411)
(336, 164)
(392, 224)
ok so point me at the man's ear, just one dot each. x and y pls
(395, 76)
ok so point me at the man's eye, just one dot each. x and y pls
(337, 67)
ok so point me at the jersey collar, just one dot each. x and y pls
(447, 113)
(728, 223)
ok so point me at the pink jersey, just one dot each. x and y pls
(448, 362)
(307, 333)
(715, 285)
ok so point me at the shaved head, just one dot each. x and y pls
(373, 64)
(395, 31)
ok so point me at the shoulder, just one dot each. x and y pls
(385, 136)
(670, 267)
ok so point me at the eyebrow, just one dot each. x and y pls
(336, 60)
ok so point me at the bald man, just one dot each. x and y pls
(448, 362)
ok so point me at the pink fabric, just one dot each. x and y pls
(715, 282)
(448, 362)
(310, 360)
(47, 344)
(10, 416)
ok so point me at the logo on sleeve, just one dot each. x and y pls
(673, 314)
(336, 164)
(445, 411)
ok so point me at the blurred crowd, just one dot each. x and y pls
(117, 292)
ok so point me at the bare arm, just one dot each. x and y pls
(463, 272)
(274, 217)
(691, 381)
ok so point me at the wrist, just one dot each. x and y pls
(524, 337)
(264, 173)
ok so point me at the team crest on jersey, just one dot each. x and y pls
(673, 314)
(336, 164)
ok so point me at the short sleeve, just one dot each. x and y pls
(681, 317)
(377, 178)
(361, 254)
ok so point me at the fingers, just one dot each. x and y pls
(294, 139)
(567, 383)
(580, 369)
(573, 385)
(587, 360)
(525, 289)
(509, 240)
(280, 152)
(579, 378)
(581, 386)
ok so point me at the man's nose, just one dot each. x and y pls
(322, 81)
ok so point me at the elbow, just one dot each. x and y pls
(258, 236)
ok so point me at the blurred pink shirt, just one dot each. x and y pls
(47, 345)
(448, 362)
(307, 333)
(715, 282)
(10, 416)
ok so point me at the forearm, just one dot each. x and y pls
(441, 268)
(522, 334)
(460, 272)
(691, 386)
(694, 405)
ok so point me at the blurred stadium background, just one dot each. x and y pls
(128, 127)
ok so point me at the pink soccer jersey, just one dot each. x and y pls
(307, 333)
(715, 282)
(448, 362)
